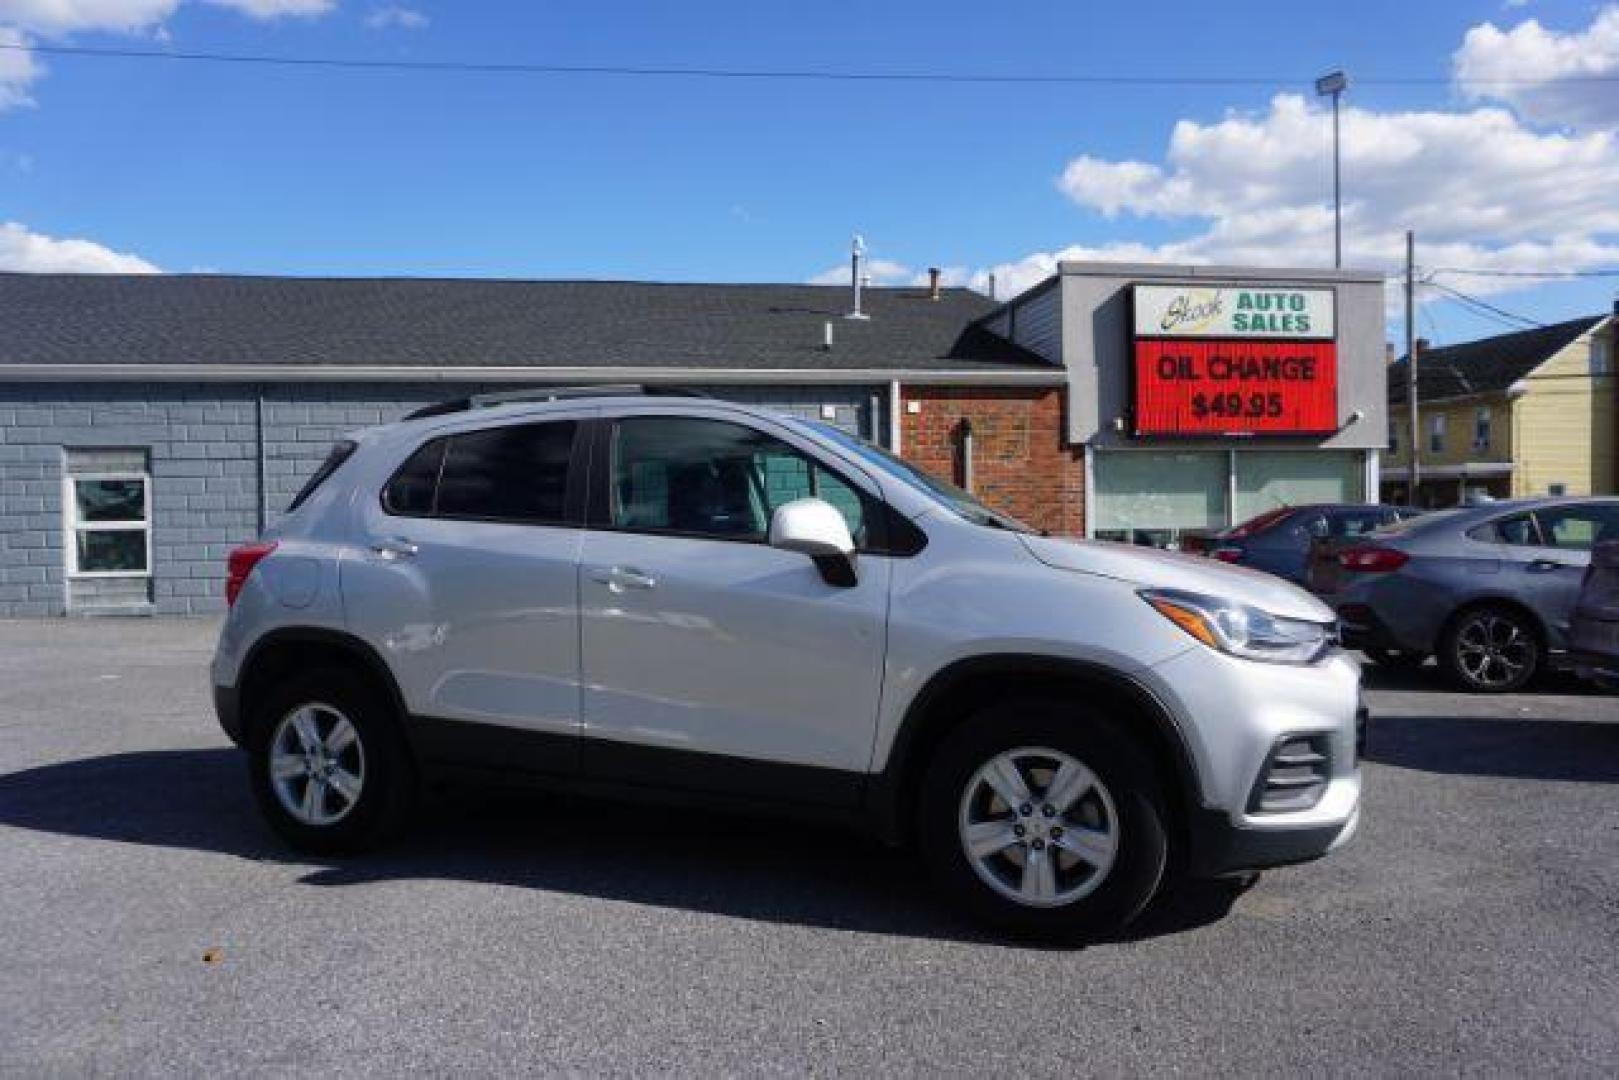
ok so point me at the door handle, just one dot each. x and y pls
(1546, 566)
(395, 547)
(619, 578)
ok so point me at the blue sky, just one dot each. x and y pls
(189, 166)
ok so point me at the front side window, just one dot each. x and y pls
(516, 474)
(709, 478)
(109, 524)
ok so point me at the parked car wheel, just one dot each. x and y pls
(1491, 649)
(327, 763)
(1396, 659)
(1044, 820)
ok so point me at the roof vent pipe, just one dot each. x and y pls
(826, 339)
(857, 251)
(992, 286)
(933, 283)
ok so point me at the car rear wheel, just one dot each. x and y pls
(327, 764)
(1044, 820)
(1491, 650)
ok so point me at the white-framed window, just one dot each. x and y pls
(108, 521)
(1436, 433)
(1481, 428)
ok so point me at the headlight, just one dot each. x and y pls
(1241, 630)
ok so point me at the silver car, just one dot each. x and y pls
(679, 597)
(1488, 591)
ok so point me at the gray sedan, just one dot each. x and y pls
(1488, 591)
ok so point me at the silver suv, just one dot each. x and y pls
(680, 595)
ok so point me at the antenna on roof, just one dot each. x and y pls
(857, 251)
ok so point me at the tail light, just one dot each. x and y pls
(1371, 559)
(240, 563)
(1227, 554)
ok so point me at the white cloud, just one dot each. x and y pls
(34, 253)
(66, 16)
(1478, 185)
(395, 16)
(265, 10)
(1547, 76)
(19, 68)
(880, 271)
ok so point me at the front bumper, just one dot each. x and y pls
(1220, 848)
(1237, 715)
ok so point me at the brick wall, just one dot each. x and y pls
(1021, 464)
(201, 441)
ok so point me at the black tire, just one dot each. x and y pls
(1459, 649)
(1396, 659)
(1120, 767)
(389, 781)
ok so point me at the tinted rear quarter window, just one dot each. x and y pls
(412, 488)
(341, 451)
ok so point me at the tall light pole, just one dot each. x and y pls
(1333, 84)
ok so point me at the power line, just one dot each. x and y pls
(1502, 314)
(803, 74)
(1480, 272)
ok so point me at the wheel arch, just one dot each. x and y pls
(1496, 600)
(958, 690)
(290, 649)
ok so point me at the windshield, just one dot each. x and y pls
(951, 497)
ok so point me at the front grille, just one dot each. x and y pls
(1294, 777)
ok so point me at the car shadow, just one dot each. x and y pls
(744, 867)
(1518, 748)
(1430, 678)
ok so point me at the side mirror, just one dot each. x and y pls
(812, 527)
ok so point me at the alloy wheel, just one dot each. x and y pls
(1494, 650)
(317, 764)
(1039, 827)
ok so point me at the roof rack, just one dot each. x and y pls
(548, 393)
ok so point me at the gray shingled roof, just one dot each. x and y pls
(58, 319)
(1489, 365)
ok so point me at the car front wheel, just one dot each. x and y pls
(1045, 821)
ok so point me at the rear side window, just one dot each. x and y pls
(510, 474)
(1519, 530)
(341, 451)
(412, 488)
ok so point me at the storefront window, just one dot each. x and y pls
(1267, 480)
(1157, 497)
(1166, 498)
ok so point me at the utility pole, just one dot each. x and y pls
(1415, 471)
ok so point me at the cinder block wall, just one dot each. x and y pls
(1021, 462)
(202, 444)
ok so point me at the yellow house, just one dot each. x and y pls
(1527, 413)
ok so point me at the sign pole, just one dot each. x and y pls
(1415, 471)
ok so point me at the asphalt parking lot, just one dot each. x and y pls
(149, 924)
